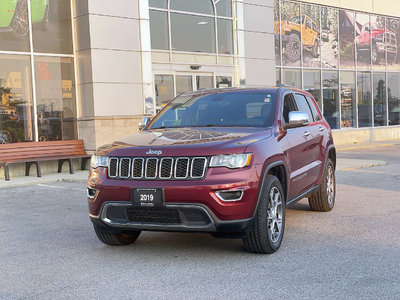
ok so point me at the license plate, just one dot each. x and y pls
(147, 197)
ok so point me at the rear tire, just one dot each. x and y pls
(324, 198)
(266, 233)
(116, 238)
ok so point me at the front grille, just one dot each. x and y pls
(166, 168)
(153, 215)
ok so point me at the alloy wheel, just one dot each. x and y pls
(275, 215)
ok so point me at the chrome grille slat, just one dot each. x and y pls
(124, 167)
(157, 168)
(182, 167)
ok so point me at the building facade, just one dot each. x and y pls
(91, 69)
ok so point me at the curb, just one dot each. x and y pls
(360, 147)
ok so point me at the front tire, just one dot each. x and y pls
(116, 238)
(324, 198)
(266, 233)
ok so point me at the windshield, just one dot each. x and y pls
(230, 109)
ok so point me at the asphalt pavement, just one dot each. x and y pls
(48, 249)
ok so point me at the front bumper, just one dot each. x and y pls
(200, 194)
(173, 217)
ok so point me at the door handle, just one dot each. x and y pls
(322, 128)
(307, 133)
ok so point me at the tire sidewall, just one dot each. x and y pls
(324, 183)
(262, 217)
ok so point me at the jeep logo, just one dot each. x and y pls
(154, 152)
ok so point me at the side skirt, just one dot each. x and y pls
(303, 195)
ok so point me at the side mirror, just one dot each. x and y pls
(297, 119)
(144, 122)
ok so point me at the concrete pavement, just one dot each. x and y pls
(49, 250)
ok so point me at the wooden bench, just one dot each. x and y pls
(34, 152)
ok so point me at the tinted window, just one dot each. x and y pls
(234, 109)
(159, 30)
(198, 6)
(314, 109)
(303, 106)
(185, 27)
(288, 106)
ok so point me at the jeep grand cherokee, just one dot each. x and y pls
(226, 162)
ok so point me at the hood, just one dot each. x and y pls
(186, 142)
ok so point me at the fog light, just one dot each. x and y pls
(91, 193)
(232, 195)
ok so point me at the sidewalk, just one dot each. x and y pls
(79, 176)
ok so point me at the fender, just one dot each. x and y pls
(266, 170)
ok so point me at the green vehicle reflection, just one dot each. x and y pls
(14, 16)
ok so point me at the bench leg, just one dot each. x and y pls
(71, 167)
(38, 170)
(6, 172)
(27, 168)
(60, 165)
(83, 163)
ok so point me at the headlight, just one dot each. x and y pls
(232, 161)
(98, 161)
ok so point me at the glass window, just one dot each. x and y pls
(159, 30)
(379, 90)
(288, 106)
(14, 26)
(56, 106)
(290, 29)
(379, 43)
(364, 99)
(292, 77)
(314, 109)
(236, 109)
(394, 98)
(204, 82)
(277, 34)
(16, 109)
(198, 6)
(164, 86)
(363, 41)
(51, 26)
(348, 99)
(224, 7)
(183, 84)
(329, 37)
(302, 105)
(278, 76)
(346, 33)
(310, 36)
(192, 33)
(225, 43)
(312, 84)
(224, 81)
(392, 42)
(158, 3)
(330, 81)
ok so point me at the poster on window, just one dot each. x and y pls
(277, 35)
(380, 38)
(363, 41)
(329, 37)
(310, 32)
(392, 36)
(291, 34)
(347, 25)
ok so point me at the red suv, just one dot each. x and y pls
(226, 162)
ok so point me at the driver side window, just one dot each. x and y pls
(288, 105)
